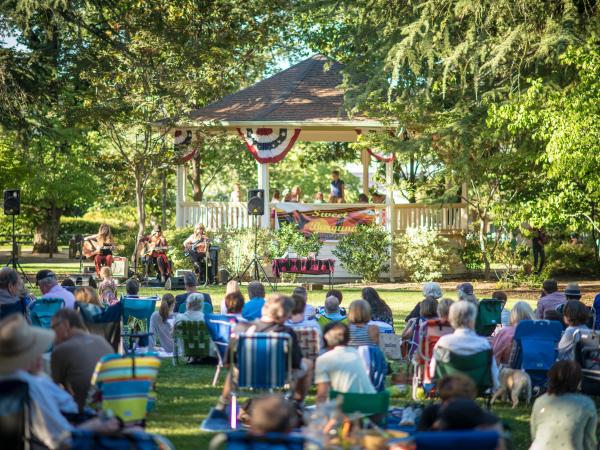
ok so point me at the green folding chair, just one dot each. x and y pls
(489, 313)
(477, 366)
(356, 406)
(191, 340)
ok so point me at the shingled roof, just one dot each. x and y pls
(307, 92)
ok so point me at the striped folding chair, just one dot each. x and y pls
(190, 340)
(136, 314)
(263, 362)
(220, 327)
(376, 364)
(43, 309)
(310, 342)
(124, 385)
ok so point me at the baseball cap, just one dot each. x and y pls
(44, 273)
(467, 288)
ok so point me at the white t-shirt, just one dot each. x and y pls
(304, 323)
(344, 370)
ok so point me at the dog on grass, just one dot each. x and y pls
(516, 383)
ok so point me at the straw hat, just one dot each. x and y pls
(21, 344)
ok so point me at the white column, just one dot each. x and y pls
(263, 183)
(180, 196)
(366, 160)
(390, 217)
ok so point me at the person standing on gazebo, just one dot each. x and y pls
(337, 188)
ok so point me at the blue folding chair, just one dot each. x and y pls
(376, 364)
(264, 362)
(535, 348)
(241, 440)
(140, 308)
(43, 309)
(450, 440)
(19, 307)
(207, 308)
(220, 327)
(15, 427)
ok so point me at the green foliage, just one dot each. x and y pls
(423, 254)
(565, 258)
(237, 248)
(175, 238)
(470, 253)
(365, 251)
(288, 236)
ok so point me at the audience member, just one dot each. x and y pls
(427, 310)
(132, 288)
(232, 286)
(190, 282)
(75, 354)
(161, 324)
(194, 306)
(563, 418)
(272, 414)
(87, 295)
(465, 292)
(466, 414)
(107, 289)
(68, 284)
(296, 195)
(65, 402)
(443, 309)
(234, 303)
(576, 316)
(10, 286)
(572, 292)
(276, 196)
(252, 310)
(48, 284)
(449, 387)
(505, 314)
(21, 348)
(380, 311)
(464, 341)
(276, 310)
(362, 198)
(431, 289)
(553, 314)
(361, 333)
(550, 298)
(298, 318)
(337, 294)
(337, 188)
(503, 341)
(341, 368)
(331, 311)
(310, 311)
(319, 198)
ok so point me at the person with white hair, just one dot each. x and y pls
(465, 292)
(194, 306)
(464, 341)
(432, 290)
(48, 284)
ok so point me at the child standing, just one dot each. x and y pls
(108, 287)
(336, 192)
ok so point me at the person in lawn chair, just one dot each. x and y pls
(156, 253)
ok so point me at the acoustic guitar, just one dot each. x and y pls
(89, 247)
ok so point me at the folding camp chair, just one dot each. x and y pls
(450, 440)
(140, 308)
(124, 385)
(324, 321)
(376, 364)
(19, 307)
(241, 440)
(219, 327)
(535, 348)
(489, 316)
(263, 362)
(207, 308)
(587, 354)
(310, 342)
(364, 405)
(123, 440)
(191, 339)
(14, 415)
(477, 366)
(430, 334)
(105, 322)
(43, 309)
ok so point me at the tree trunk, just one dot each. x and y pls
(483, 248)
(45, 239)
(196, 177)
(163, 219)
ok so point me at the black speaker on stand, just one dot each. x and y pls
(12, 207)
(256, 202)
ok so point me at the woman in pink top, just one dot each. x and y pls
(502, 345)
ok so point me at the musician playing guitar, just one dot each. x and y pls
(100, 247)
(196, 247)
(156, 253)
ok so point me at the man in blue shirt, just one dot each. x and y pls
(252, 310)
(190, 282)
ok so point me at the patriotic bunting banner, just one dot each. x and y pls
(380, 157)
(182, 139)
(269, 145)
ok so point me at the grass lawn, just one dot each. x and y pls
(185, 395)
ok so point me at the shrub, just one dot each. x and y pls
(175, 239)
(288, 236)
(470, 253)
(237, 248)
(567, 259)
(365, 251)
(423, 254)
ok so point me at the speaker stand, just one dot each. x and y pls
(14, 259)
(258, 269)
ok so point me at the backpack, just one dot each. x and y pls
(587, 354)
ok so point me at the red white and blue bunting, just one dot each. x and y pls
(181, 141)
(379, 156)
(269, 145)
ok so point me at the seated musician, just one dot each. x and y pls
(157, 252)
(196, 247)
(100, 247)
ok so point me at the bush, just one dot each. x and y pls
(175, 239)
(365, 251)
(567, 259)
(237, 248)
(288, 236)
(423, 254)
(470, 253)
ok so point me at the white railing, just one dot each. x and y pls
(219, 215)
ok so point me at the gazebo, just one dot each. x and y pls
(302, 103)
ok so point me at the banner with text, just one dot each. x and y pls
(330, 222)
